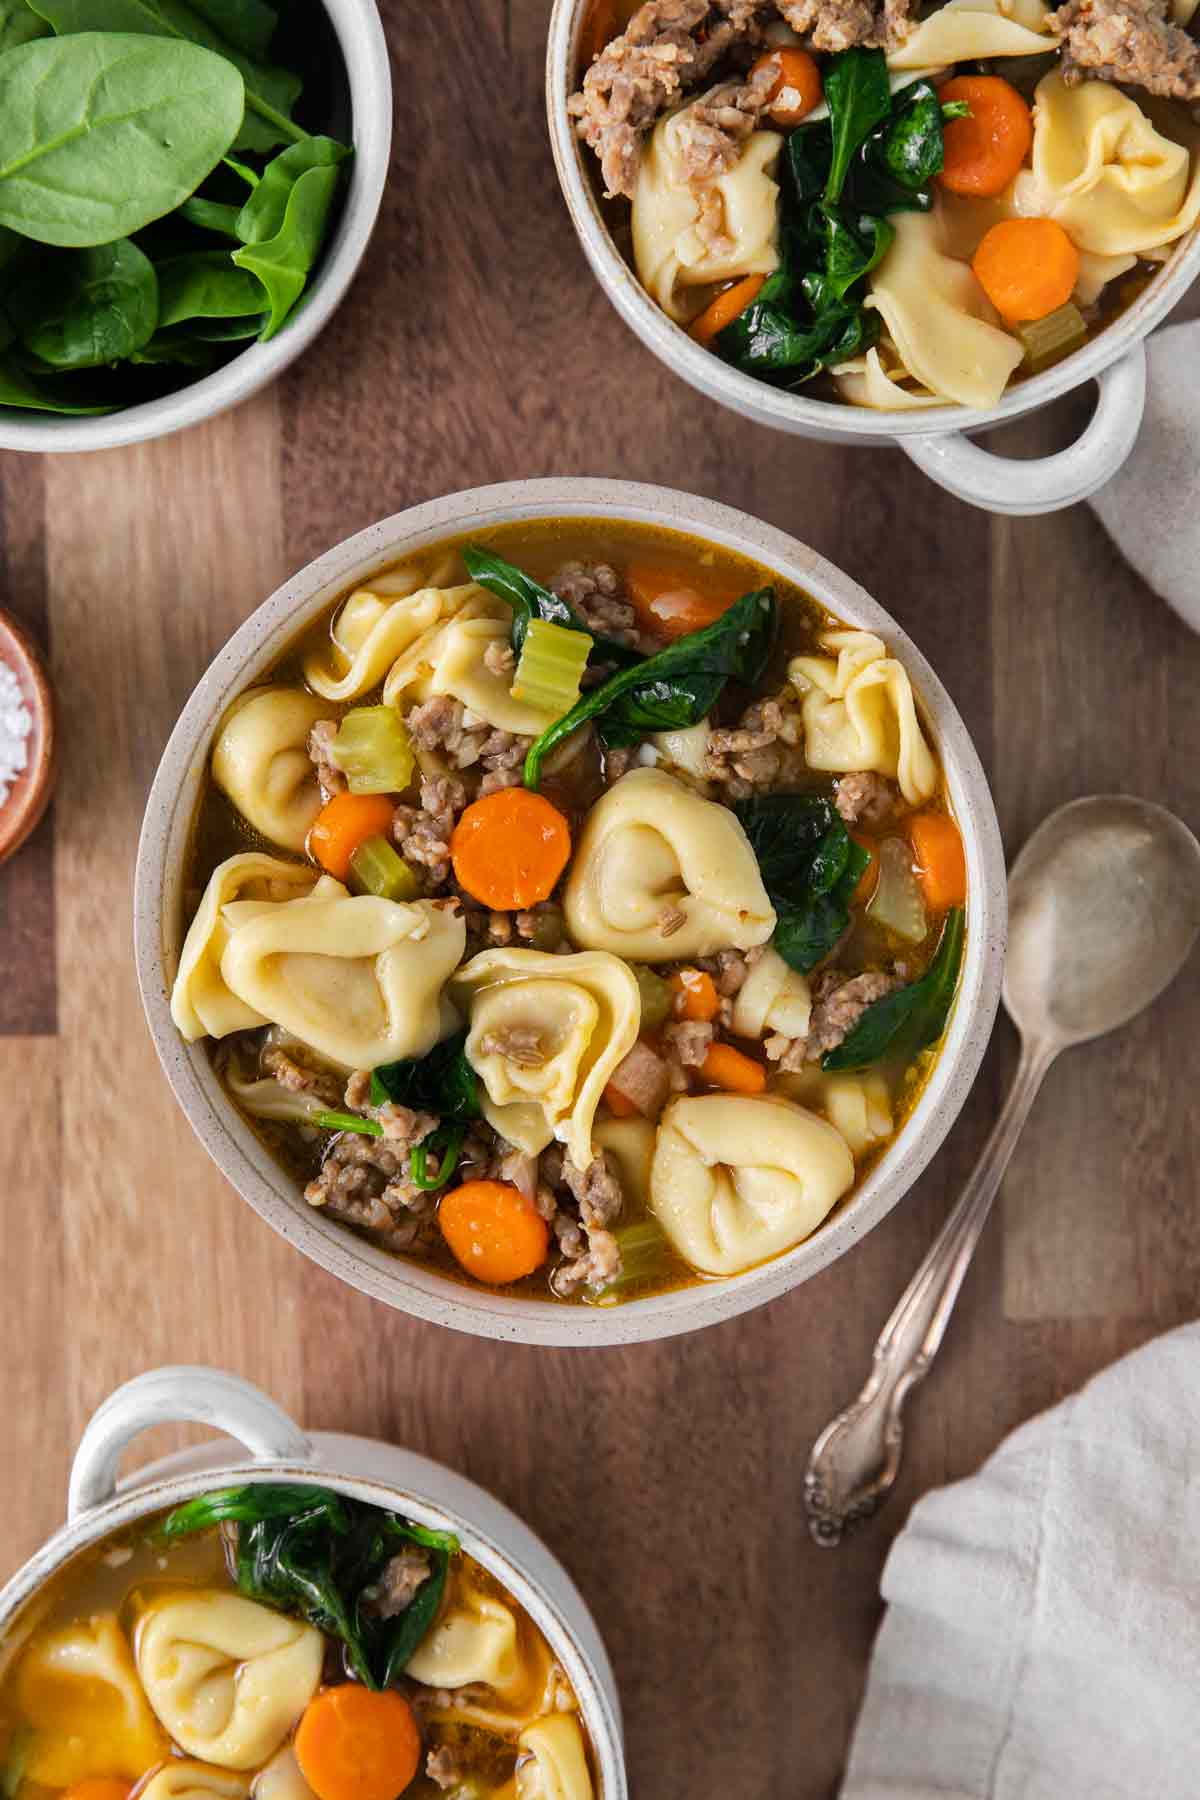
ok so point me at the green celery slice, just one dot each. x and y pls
(373, 750)
(1048, 340)
(378, 869)
(551, 667)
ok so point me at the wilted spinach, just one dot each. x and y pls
(320, 1556)
(905, 1022)
(529, 601)
(810, 867)
(444, 1083)
(673, 688)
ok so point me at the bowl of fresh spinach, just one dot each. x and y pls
(187, 188)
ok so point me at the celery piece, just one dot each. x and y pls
(373, 750)
(377, 869)
(643, 1249)
(898, 903)
(1048, 340)
(656, 996)
(551, 667)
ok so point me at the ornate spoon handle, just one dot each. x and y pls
(856, 1459)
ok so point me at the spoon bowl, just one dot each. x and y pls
(1104, 909)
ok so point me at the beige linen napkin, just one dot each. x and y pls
(1151, 507)
(1042, 1638)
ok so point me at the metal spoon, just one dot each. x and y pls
(1104, 909)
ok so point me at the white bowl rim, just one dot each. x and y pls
(408, 1284)
(359, 31)
(774, 406)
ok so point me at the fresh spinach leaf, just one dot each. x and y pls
(282, 263)
(248, 25)
(810, 867)
(859, 98)
(19, 388)
(675, 687)
(19, 24)
(101, 133)
(211, 215)
(82, 309)
(908, 1020)
(206, 285)
(529, 601)
(169, 351)
(269, 93)
(321, 1555)
(227, 331)
(262, 216)
(442, 1082)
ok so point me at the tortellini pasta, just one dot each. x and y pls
(452, 660)
(475, 1639)
(201, 1004)
(228, 1678)
(630, 1142)
(260, 761)
(876, 380)
(945, 329)
(358, 978)
(79, 1690)
(552, 1762)
(546, 1032)
(282, 1779)
(685, 748)
(661, 873)
(773, 997)
(739, 1178)
(857, 1106)
(688, 233)
(372, 630)
(1115, 184)
(968, 30)
(195, 1781)
(859, 713)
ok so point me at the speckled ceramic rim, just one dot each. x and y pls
(381, 1474)
(407, 1284)
(793, 412)
(359, 32)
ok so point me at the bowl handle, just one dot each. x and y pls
(167, 1397)
(1006, 484)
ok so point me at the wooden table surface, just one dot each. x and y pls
(476, 347)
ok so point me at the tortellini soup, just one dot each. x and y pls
(578, 911)
(193, 1658)
(888, 204)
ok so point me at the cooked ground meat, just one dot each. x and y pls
(729, 969)
(542, 926)
(713, 131)
(445, 1767)
(293, 1075)
(445, 727)
(595, 1255)
(521, 1044)
(762, 752)
(596, 1188)
(499, 658)
(688, 1041)
(423, 833)
(838, 1004)
(790, 1053)
(519, 1169)
(616, 764)
(363, 1182)
(599, 1264)
(598, 595)
(867, 798)
(837, 24)
(1130, 41)
(501, 760)
(330, 777)
(397, 1586)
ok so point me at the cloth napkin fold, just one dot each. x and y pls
(1149, 508)
(1042, 1638)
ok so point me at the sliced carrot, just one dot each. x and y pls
(510, 848)
(617, 1104)
(725, 1067)
(729, 304)
(984, 150)
(869, 879)
(941, 863)
(1027, 268)
(696, 996)
(493, 1231)
(99, 1787)
(353, 1744)
(797, 88)
(344, 823)
(671, 600)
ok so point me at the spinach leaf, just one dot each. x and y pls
(784, 830)
(910, 147)
(282, 262)
(262, 216)
(808, 929)
(767, 339)
(675, 687)
(81, 309)
(810, 867)
(859, 97)
(854, 245)
(167, 351)
(529, 601)
(321, 1555)
(206, 285)
(442, 1082)
(905, 1022)
(19, 388)
(248, 25)
(227, 331)
(19, 24)
(211, 215)
(269, 93)
(100, 134)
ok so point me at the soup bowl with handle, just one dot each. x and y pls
(261, 1443)
(938, 439)
(159, 924)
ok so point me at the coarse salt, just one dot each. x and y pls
(16, 724)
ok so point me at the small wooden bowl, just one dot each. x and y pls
(31, 791)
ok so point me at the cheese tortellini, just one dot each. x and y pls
(373, 629)
(261, 762)
(546, 1033)
(228, 1678)
(738, 1178)
(689, 233)
(858, 1106)
(552, 1762)
(196, 1781)
(201, 1003)
(358, 978)
(661, 873)
(451, 660)
(475, 1639)
(969, 30)
(630, 1142)
(282, 1779)
(773, 997)
(79, 1691)
(859, 713)
(880, 381)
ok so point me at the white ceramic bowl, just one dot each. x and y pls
(229, 1140)
(379, 1474)
(368, 92)
(937, 438)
